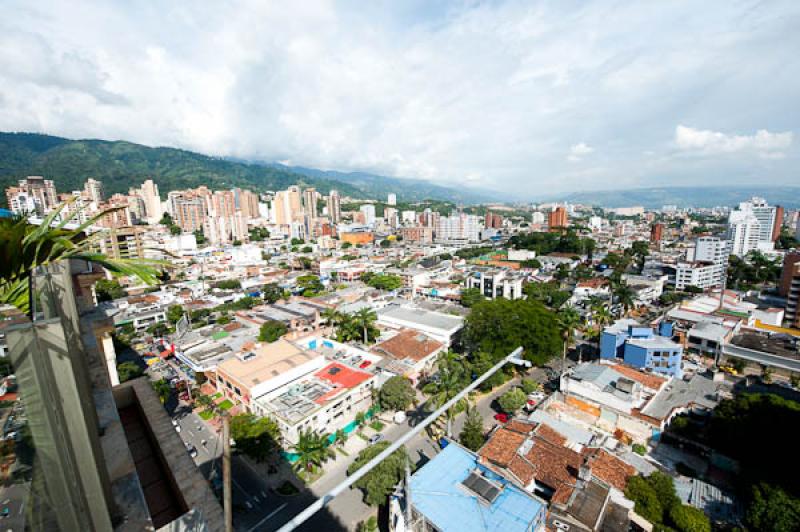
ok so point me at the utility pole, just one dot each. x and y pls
(226, 473)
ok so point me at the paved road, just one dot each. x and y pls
(13, 497)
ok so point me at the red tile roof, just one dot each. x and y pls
(502, 446)
(608, 468)
(647, 380)
(346, 377)
(409, 344)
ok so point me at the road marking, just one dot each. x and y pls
(272, 513)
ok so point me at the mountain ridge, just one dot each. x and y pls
(120, 164)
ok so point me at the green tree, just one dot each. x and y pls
(347, 245)
(271, 331)
(365, 319)
(24, 247)
(158, 329)
(529, 386)
(624, 296)
(312, 450)
(470, 296)
(499, 326)
(257, 437)
(385, 243)
(200, 238)
(162, 389)
(108, 290)
(471, 435)
(453, 376)
(271, 293)
(174, 230)
(688, 519)
(166, 219)
(645, 499)
(396, 393)
(370, 525)
(568, 321)
(512, 400)
(771, 508)
(228, 284)
(385, 282)
(309, 285)
(128, 370)
(174, 313)
(380, 482)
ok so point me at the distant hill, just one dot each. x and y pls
(121, 165)
(654, 198)
(376, 186)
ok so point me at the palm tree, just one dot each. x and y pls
(25, 247)
(312, 450)
(569, 320)
(624, 295)
(361, 417)
(601, 317)
(341, 437)
(331, 316)
(454, 375)
(364, 318)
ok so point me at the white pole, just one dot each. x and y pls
(355, 477)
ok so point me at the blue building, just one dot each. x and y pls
(454, 492)
(642, 347)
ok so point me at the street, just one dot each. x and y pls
(258, 507)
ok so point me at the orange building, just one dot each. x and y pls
(365, 237)
(557, 218)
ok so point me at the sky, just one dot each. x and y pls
(524, 98)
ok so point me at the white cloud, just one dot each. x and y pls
(460, 93)
(578, 152)
(765, 144)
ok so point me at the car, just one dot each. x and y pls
(5, 512)
(177, 428)
(375, 438)
(364, 364)
(502, 418)
(175, 422)
(191, 449)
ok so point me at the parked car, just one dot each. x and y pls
(5, 512)
(192, 450)
(375, 438)
(502, 418)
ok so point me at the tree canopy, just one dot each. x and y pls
(499, 326)
(257, 437)
(512, 400)
(108, 290)
(471, 435)
(396, 393)
(385, 282)
(380, 482)
(271, 331)
(655, 499)
(470, 296)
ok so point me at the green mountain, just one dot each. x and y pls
(121, 165)
(656, 197)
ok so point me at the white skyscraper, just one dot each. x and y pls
(743, 231)
(152, 201)
(751, 227)
(458, 227)
(716, 251)
(369, 213)
(392, 199)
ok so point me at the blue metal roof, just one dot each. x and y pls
(5, 213)
(438, 494)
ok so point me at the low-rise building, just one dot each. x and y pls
(642, 347)
(410, 353)
(443, 328)
(262, 368)
(495, 282)
(456, 491)
(323, 402)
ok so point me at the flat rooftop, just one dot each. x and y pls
(270, 360)
(421, 317)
